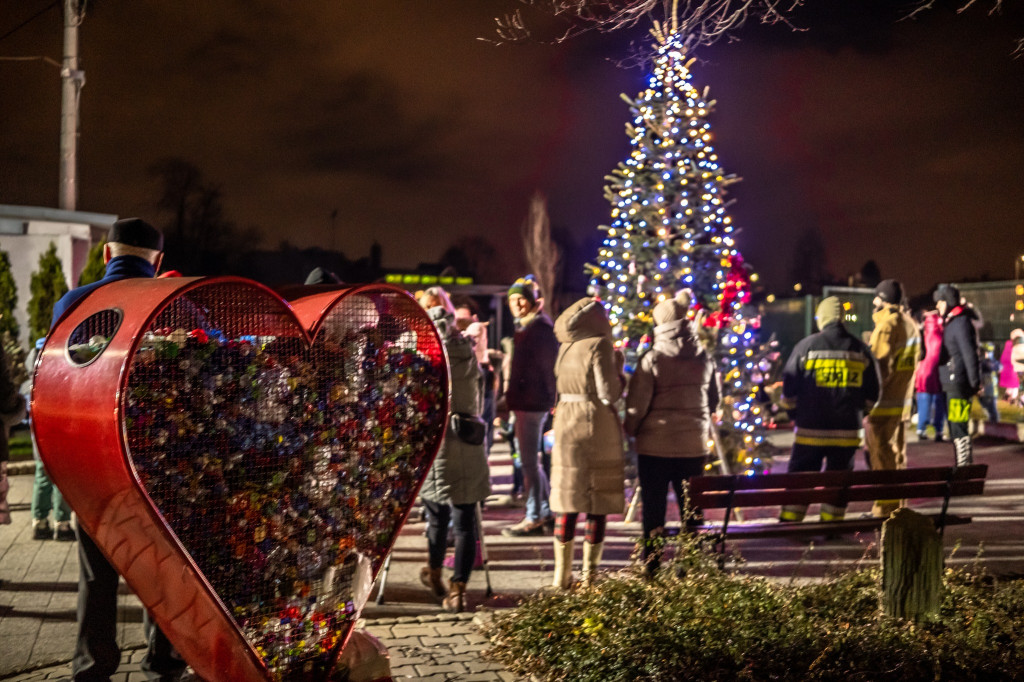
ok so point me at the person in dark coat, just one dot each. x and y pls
(530, 395)
(134, 248)
(829, 382)
(12, 411)
(669, 405)
(459, 477)
(959, 368)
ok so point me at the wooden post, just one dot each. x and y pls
(911, 566)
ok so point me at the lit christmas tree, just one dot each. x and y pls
(670, 231)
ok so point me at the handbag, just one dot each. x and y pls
(469, 428)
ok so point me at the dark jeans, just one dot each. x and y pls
(464, 525)
(655, 475)
(97, 654)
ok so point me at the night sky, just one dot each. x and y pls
(901, 142)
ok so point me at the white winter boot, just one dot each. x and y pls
(591, 558)
(563, 564)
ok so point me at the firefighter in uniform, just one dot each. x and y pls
(959, 368)
(896, 345)
(828, 383)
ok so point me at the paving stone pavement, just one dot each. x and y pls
(432, 648)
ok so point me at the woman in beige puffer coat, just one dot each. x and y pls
(587, 460)
(669, 403)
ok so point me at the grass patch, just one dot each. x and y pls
(19, 445)
(716, 625)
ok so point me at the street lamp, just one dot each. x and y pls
(1016, 266)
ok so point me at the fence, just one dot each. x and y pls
(792, 319)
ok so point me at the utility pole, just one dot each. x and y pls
(72, 79)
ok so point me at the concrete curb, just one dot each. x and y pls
(1002, 430)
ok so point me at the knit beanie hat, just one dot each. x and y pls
(136, 232)
(889, 290)
(672, 309)
(948, 293)
(525, 287)
(829, 310)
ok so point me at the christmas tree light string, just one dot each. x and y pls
(669, 231)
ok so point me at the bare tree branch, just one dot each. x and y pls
(995, 8)
(702, 21)
(542, 253)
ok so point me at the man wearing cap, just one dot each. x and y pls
(829, 381)
(959, 368)
(134, 248)
(896, 345)
(530, 394)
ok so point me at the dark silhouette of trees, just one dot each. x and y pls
(476, 257)
(810, 268)
(199, 239)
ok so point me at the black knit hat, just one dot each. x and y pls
(948, 293)
(136, 232)
(889, 290)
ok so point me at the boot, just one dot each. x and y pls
(431, 579)
(964, 452)
(455, 602)
(563, 565)
(591, 558)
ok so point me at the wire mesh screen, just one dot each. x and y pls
(278, 465)
(388, 404)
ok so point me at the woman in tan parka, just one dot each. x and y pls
(587, 460)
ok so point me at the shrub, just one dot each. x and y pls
(8, 297)
(48, 285)
(716, 625)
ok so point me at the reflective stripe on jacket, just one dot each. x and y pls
(896, 345)
(829, 380)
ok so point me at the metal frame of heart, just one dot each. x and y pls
(244, 462)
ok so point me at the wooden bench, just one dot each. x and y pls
(837, 488)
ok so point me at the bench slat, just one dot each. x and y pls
(833, 495)
(836, 478)
(775, 530)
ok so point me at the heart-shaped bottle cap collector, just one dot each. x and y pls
(245, 464)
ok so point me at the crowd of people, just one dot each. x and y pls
(568, 373)
(841, 393)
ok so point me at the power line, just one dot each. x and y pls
(30, 19)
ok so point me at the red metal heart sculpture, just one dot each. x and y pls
(244, 466)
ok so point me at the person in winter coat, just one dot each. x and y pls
(931, 401)
(459, 478)
(1009, 382)
(896, 344)
(134, 249)
(830, 380)
(529, 396)
(1012, 371)
(587, 460)
(959, 368)
(12, 411)
(669, 403)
